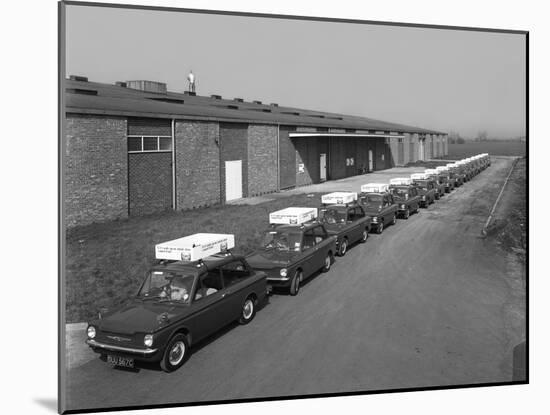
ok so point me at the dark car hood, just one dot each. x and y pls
(371, 208)
(141, 317)
(334, 228)
(269, 259)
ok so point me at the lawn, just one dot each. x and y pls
(107, 262)
(494, 148)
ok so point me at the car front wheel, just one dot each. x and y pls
(380, 228)
(248, 311)
(295, 283)
(176, 353)
(406, 214)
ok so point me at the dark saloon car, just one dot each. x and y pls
(439, 181)
(178, 304)
(407, 199)
(379, 205)
(291, 253)
(348, 223)
(426, 188)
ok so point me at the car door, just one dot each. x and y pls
(386, 209)
(236, 276)
(308, 261)
(356, 214)
(414, 198)
(321, 246)
(210, 307)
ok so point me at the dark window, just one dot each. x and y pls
(319, 233)
(209, 284)
(309, 239)
(150, 143)
(134, 144)
(234, 272)
(165, 143)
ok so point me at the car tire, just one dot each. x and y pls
(175, 354)
(394, 219)
(329, 259)
(364, 236)
(406, 214)
(343, 248)
(248, 310)
(295, 283)
(380, 228)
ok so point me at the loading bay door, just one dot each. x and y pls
(323, 167)
(233, 180)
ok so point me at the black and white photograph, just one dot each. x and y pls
(260, 207)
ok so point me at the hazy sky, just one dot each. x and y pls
(440, 79)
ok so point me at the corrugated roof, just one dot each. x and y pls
(118, 100)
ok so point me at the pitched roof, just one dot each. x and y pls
(98, 98)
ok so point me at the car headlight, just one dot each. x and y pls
(91, 332)
(283, 272)
(402, 207)
(148, 340)
(375, 219)
(423, 197)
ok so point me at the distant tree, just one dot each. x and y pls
(460, 140)
(482, 136)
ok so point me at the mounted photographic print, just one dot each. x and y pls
(259, 207)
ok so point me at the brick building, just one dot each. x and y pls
(134, 148)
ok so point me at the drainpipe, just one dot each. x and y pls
(174, 206)
(278, 161)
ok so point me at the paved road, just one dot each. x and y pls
(424, 304)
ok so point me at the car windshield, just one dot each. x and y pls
(400, 192)
(333, 215)
(282, 240)
(423, 184)
(167, 286)
(372, 199)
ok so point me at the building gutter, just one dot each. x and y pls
(174, 203)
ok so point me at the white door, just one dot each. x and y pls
(371, 167)
(421, 150)
(233, 180)
(323, 164)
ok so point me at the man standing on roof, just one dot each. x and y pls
(191, 79)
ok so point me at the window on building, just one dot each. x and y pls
(141, 144)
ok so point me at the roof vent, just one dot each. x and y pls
(81, 91)
(290, 113)
(147, 86)
(120, 83)
(274, 104)
(233, 107)
(190, 93)
(317, 115)
(238, 99)
(257, 102)
(216, 96)
(78, 78)
(266, 110)
(168, 100)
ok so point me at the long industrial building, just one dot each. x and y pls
(134, 148)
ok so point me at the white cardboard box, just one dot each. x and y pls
(338, 198)
(375, 187)
(401, 181)
(419, 176)
(194, 247)
(292, 216)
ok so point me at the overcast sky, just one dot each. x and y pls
(440, 79)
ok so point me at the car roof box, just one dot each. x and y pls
(375, 187)
(194, 247)
(339, 198)
(292, 216)
(401, 181)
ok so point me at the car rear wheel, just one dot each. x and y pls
(406, 214)
(328, 262)
(295, 283)
(364, 236)
(248, 310)
(380, 228)
(343, 247)
(176, 353)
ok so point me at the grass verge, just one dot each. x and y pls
(107, 262)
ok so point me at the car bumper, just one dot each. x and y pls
(135, 353)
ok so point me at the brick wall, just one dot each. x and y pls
(197, 164)
(96, 171)
(149, 182)
(262, 159)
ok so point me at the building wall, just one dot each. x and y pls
(234, 146)
(96, 170)
(262, 159)
(197, 164)
(149, 182)
(287, 159)
(306, 151)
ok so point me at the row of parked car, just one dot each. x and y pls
(198, 285)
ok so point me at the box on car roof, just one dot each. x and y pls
(292, 216)
(401, 181)
(194, 247)
(375, 187)
(339, 198)
(419, 176)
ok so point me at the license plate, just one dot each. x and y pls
(120, 361)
